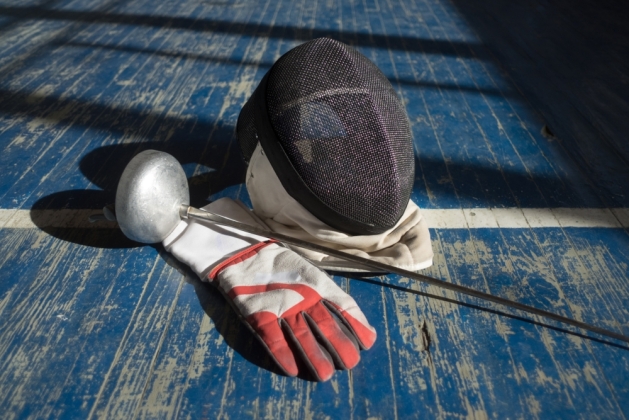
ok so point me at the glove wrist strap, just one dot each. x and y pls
(239, 257)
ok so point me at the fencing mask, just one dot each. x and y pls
(330, 158)
(336, 135)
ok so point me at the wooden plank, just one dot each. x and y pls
(62, 302)
(94, 327)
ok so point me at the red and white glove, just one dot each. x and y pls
(276, 292)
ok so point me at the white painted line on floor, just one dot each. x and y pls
(479, 218)
(622, 215)
(513, 218)
(510, 218)
(29, 219)
(445, 219)
(505, 218)
(589, 217)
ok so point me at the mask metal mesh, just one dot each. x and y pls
(344, 131)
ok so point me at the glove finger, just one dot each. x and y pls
(343, 349)
(345, 307)
(356, 321)
(315, 357)
(267, 327)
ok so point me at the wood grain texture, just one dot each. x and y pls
(95, 326)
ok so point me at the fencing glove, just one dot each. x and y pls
(293, 307)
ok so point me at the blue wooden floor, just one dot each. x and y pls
(95, 326)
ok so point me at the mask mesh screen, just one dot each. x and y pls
(343, 128)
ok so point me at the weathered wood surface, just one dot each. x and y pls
(570, 57)
(94, 326)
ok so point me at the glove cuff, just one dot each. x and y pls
(238, 258)
(202, 246)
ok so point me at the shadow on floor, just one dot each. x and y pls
(570, 59)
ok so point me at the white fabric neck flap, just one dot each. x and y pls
(406, 245)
